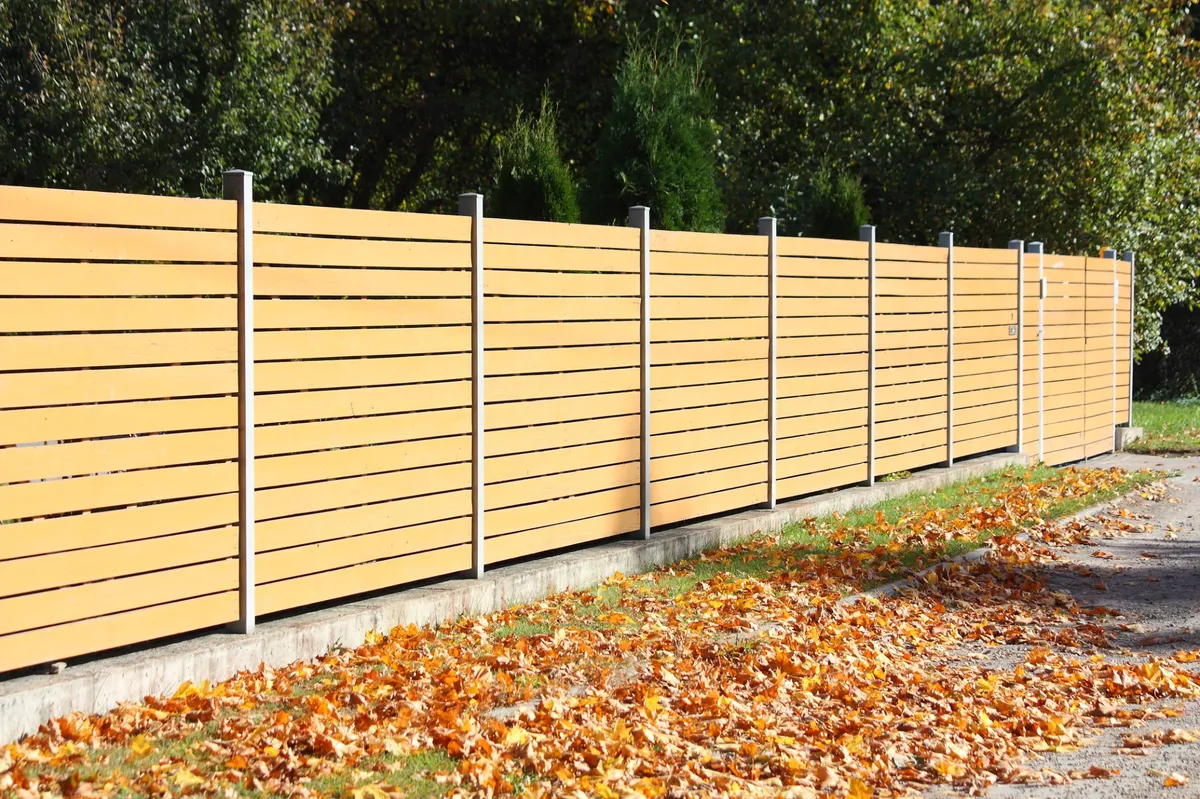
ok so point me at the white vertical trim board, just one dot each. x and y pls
(238, 185)
(639, 217)
(472, 205)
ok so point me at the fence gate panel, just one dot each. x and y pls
(118, 439)
(362, 401)
(1029, 369)
(1124, 365)
(1099, 320)
(822, 365)
(985, 350)
(1063, 364)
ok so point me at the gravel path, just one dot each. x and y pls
(1153, 578)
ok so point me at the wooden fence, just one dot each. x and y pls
(213, 410)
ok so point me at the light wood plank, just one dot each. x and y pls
(581, 531)
(504, 521)
(534, 258)
(560, 359)
(19, 464)
(68, 315)
(315, 251)
(347, 403)
(66, 279)
(74, 603)
(105, 632)
(24, 204)
(323, 586)
(336, 283)
(311, 220)
(519, 231)
(294, 313)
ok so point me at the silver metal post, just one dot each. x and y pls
(1019, 246)
(867, 233)
(238, 185)
(472, 205)
(947, 240)
(767, 226)
(639, 217)
(1116, 284)
(1132, 259)
(1036, 248)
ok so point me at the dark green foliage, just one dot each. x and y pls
(532, 180)
(657, 145)
(160, 96)
(833, 207)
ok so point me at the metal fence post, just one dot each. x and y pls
(1038, 249)
(472, 205)
(1019, 246)
(1132, 259)
(947, 240)
(767, 226)
(639, 217)
(238, 185)
(867, 233)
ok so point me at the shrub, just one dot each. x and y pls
(533, 181)
(657, 145)
(834, 206)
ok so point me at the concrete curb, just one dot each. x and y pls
(97, 686)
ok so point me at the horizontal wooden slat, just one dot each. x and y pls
(820, 248)
(807, 266)
(18, 464)
(713, 243)
(709, 351)
(819, 288)
(353, 402)
(669, 444)
(66, 279)
(353, 372)
(340, 553)
(316, 251)
(292, 531)
(909, 374)
(820, 422)
(336, 584)
(665, 399)
(519, 231)
(909, 426)
(338, 463)
(115, 349)
(753, 475)
(910, 443)
(528, 517)
(296, 281)
(907, 461)
(822, 480)
(561, 259)
(821, 442)
(560, 359)
(825, 306)
(570, 459)
(26, 315)
(712, 416)
(355, 432)
(293, 313)
(106, 632)
(272, 503)
(567, 384)
(885, 251)
(820, 345)
(60, 606)
(814, 463)
(517, 545)
(24, 204)
(706, 374)
(980, 255)
(815, 385)
(58, 242)
(29, 389)
(566, 434)
(820, 364)
(44, 572)
(550, 488)
(514, 283)
(688, 463)
(312, 220)
(804, 405)
(273, 345)
(704, 505)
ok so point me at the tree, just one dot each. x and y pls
(425, 89)
(162, 95)
(658, 140)
(833, 207)
(532, 180)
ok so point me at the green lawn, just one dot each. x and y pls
(1171, 427)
